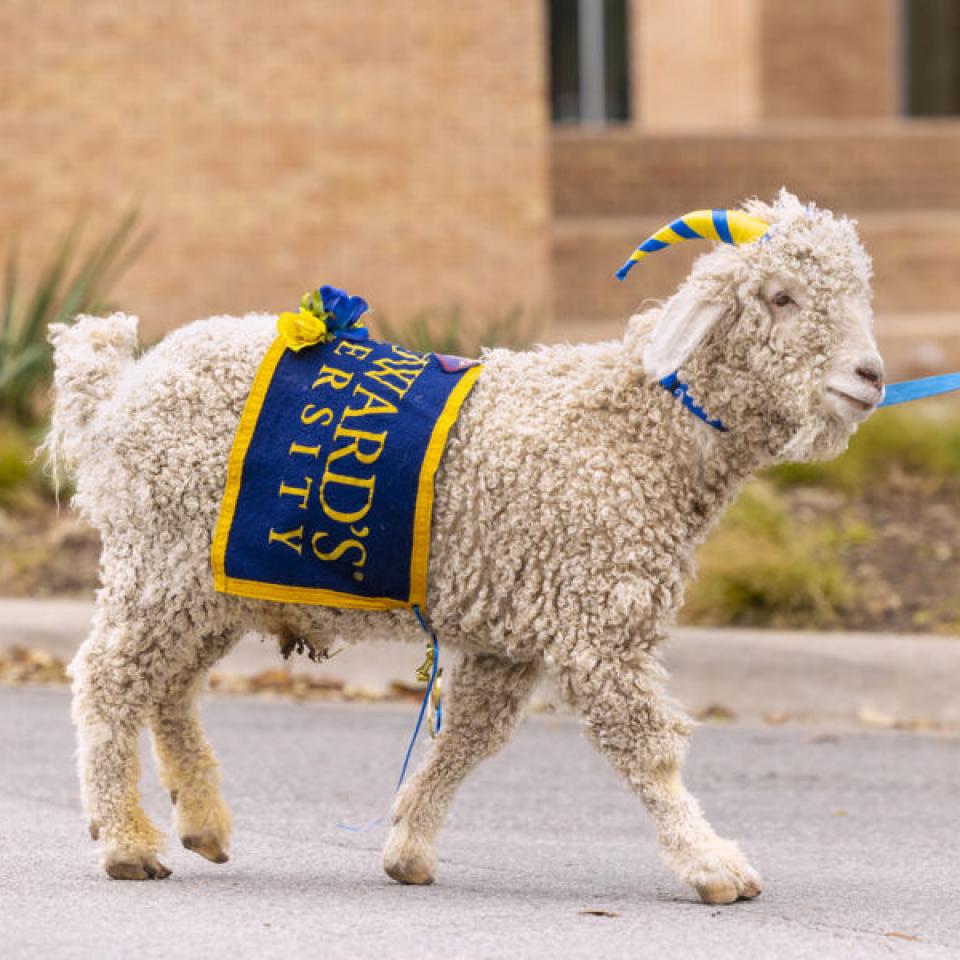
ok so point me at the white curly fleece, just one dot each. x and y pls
(572, 494)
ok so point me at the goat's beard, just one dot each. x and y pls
(821, 438)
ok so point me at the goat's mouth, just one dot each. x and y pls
(860, 403)
(850, 398)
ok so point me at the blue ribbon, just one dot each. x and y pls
(362, 828)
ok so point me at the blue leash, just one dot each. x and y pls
(919, 389)
(438, 719)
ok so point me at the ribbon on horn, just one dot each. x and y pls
(726, 226)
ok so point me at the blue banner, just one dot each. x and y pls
(329, 490)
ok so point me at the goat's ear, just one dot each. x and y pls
(686, 318)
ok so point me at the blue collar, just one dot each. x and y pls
(680, 390)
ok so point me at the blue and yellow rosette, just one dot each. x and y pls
(324, 315)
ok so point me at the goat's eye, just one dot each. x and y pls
(783, 299)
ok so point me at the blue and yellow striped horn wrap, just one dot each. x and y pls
(727, 226)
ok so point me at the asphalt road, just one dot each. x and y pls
(854, 832)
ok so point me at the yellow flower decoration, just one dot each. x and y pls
(302, 329)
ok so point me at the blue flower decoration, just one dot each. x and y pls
(344, 312)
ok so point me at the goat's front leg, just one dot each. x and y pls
(481, 709)
(644, 734)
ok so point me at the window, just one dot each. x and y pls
(589, 67)
(932, 55)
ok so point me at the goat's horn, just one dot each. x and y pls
(727, 226)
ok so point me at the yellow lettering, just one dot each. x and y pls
(292, 538)
(300, 448)
(352, 349)
(302, 492)
(341, 480)
(408, 356)
(311, 413)
(338, 379)
(339, 550)
(379, 439)
(374, 403)
(392, 375)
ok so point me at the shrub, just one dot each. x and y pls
(22, 480)
(67, 285)
(448, 330)
(763, 567)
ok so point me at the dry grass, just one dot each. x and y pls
(762, 567)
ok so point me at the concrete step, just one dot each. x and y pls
(772, 675)
(871, 165)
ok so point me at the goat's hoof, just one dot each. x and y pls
(408, 858)
(94, 830)
(719, 891)
(720, 873)
(207, 846)
(751, 888)
(414, 869)
(144, 868)
(730, 886)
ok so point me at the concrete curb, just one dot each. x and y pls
(766, 675)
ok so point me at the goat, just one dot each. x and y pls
(571, 497)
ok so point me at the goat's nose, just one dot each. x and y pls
(871, 370)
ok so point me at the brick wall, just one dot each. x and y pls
(399, 150)
(829, 58)
(695, 64)
(712, 65)
(863, 166)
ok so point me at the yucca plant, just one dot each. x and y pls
(68, 285)
(448, 330)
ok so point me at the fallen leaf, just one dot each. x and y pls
(24, 665)
(411, 691)
(597, 913)
(271, 680)
(360, 692)
(897, 935)
(716, 713)
(776, 718)
(876, 718)
(916, 723)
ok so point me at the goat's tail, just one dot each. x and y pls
(88, 355)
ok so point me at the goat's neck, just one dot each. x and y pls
(712, 466)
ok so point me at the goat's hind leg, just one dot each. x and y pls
(189, 770)
(110, 701)
(481, 709)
